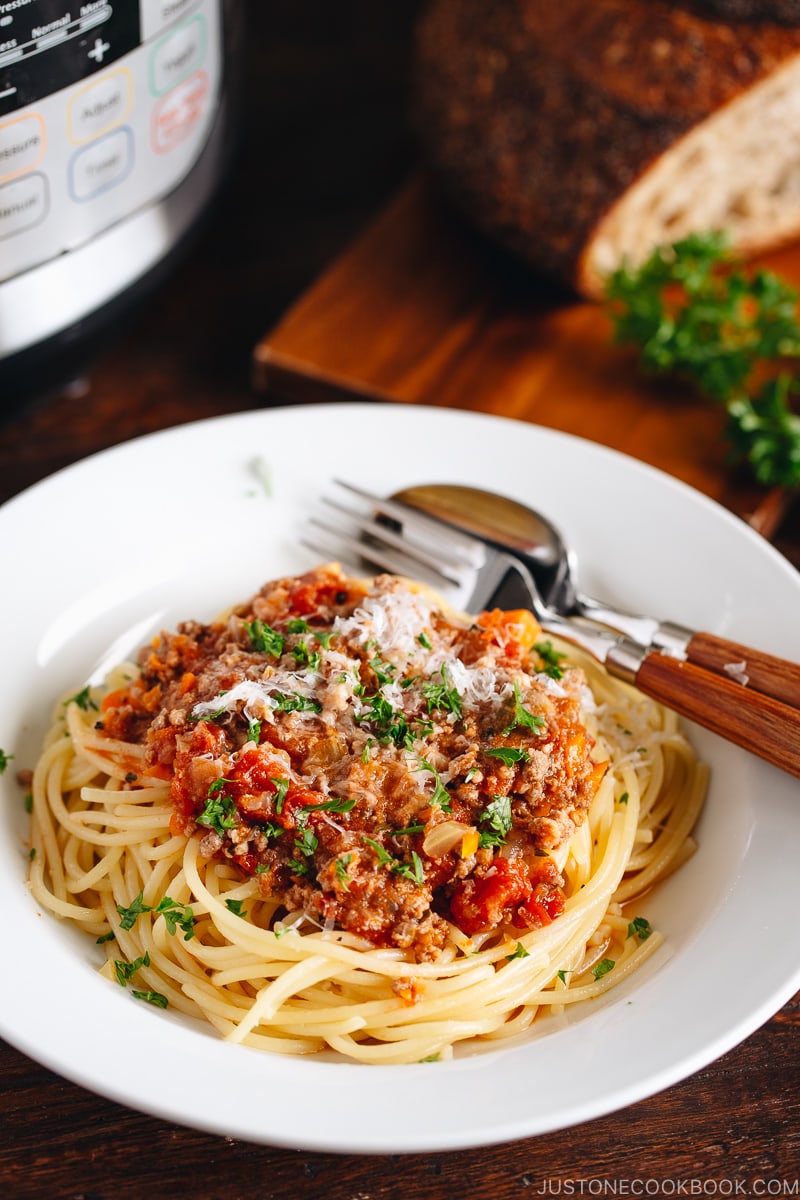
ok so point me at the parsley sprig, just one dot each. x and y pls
(695, 312)
(176, 915)
(263, 638)
(414, 870)
(498, 818)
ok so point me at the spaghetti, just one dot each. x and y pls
(344, 819)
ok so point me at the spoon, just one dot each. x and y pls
(531, 537)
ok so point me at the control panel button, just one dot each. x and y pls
(22, 145)
(157, 15)
(100, 105)
(175, 115)
(177, 55)
(23, 204)
(101, 165)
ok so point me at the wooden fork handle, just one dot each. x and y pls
(754, 669)
(761, 724)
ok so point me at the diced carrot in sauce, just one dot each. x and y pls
(515, 631)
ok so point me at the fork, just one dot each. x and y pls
(472, 575)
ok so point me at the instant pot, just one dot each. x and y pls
(115, 128)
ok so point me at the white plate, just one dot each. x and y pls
(178, 525)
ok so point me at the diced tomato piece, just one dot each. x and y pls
(248, 863)
(511, 893)
(309, 596)
(489, 901)
(546, 903)
(547, 900)
(259, 772)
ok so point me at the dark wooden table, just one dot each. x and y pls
(324, 146)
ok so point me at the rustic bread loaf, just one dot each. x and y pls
(581, 133)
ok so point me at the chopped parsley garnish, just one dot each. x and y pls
(424, 640)
(520, 952)
(441, 796)
(83, 699)
(297, 625)
(28, 798)
(324, 638)
(306, 841)
(509, 755)
(270, 829)
(253, 731)
(125, 971)
(384, 857)
(624, 798)
(522, 717)
(156, 998)
(389, 724)
(236, 907)
(497, 815)
(413, 870)
(5, 759)
(292, 702)
(439, 694)
(281, 788)
(176, 916)
(134, 910)
(336, 805)
(640, 927)
(304, 657)
(603, 967)
(383, 671)
(105, 937)
(562, 975)
(264, 638)
(551, 659)
(341, 865)
(219, 814)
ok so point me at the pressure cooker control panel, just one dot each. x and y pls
(104, 108)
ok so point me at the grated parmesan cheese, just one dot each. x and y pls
(393, 619)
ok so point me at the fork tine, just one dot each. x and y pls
(434, 554)
(379, 554)
(459, 547)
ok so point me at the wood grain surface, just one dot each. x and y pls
(325, 156)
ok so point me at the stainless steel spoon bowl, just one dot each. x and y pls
(531, 537)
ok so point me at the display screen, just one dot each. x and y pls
(46, 45)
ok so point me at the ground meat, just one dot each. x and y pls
(319, 735)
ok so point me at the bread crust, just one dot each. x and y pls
(540, 116)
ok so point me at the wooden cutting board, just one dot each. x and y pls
(421, 310)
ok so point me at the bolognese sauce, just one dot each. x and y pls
(374, 761)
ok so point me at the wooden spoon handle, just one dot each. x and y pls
(754, 669)
(759, 723)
